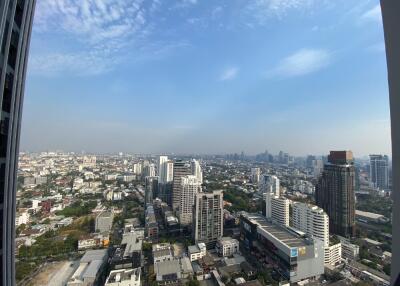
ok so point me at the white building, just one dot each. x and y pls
(196, 170)
(162, 252)
(162, 169)
(349, 250)
(315, 222)
(280, 210)
(23, 218)
(137, 168)
(190, 186)
(227, 246)
(124, 277)
(255, 175)
(197, 251)
(269, 184)
(150, 170)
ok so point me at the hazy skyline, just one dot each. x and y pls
(192, 76)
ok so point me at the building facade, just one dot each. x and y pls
(379, 171)
(297, 257)
(196, 170)
(15, 32)
(269, 184)
(280, 210)
(335, 192)
(181, 169)
(190, 187)
(208, 218)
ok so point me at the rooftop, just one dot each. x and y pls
(281, 233)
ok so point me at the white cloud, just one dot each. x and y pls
(302, 62)
(229, 74)
(96, 34)
(373, 14)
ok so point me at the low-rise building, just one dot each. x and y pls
(90, 268)
(124, 277)
(197, 251)
(227, 246)
(162, 252)
(349, 250)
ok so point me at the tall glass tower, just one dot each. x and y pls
(15, 31)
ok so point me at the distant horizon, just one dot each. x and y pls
(84, 152)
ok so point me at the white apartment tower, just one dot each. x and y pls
(190, 187)
(196, 170)
(255, 175)
(314, 221)
(161, 168)
(280, 210)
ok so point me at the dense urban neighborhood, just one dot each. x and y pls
(200, 220)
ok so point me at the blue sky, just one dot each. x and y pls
(197, 76)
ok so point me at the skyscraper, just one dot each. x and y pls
(280, 210)
(15, 31)
(196, 170)
(181, 169)
(255, 175)
(151, 189)
(379, 171)
(161, 170)
(190, 187)
(335, 192)
(208, 218)
(269, 184)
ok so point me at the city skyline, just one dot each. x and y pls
(194, 77)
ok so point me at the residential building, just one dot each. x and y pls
(299, 258)
(255, 175)
(227, 246)
(196, 170)
(335, 192)
(190, 186)
(280, 210)
(181, 169)
(313, 221)
(350, 251)
(149, 170)
(15, 32)
(151, 223)
(208, 218)
(379, 171)
(197, 251)
(151, 189)
(269, 184)
(161, 169)
(124, 277)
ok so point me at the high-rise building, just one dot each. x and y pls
(335, 192)
(280, 210)
(315, 222)
(151, 189)
(161, 168)
(255, 175)
(149, 170)
(196, 170)
(15, 33)
(190, 187)
(181, 169)
(269, 183)
(379, 171)
(208, 218)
